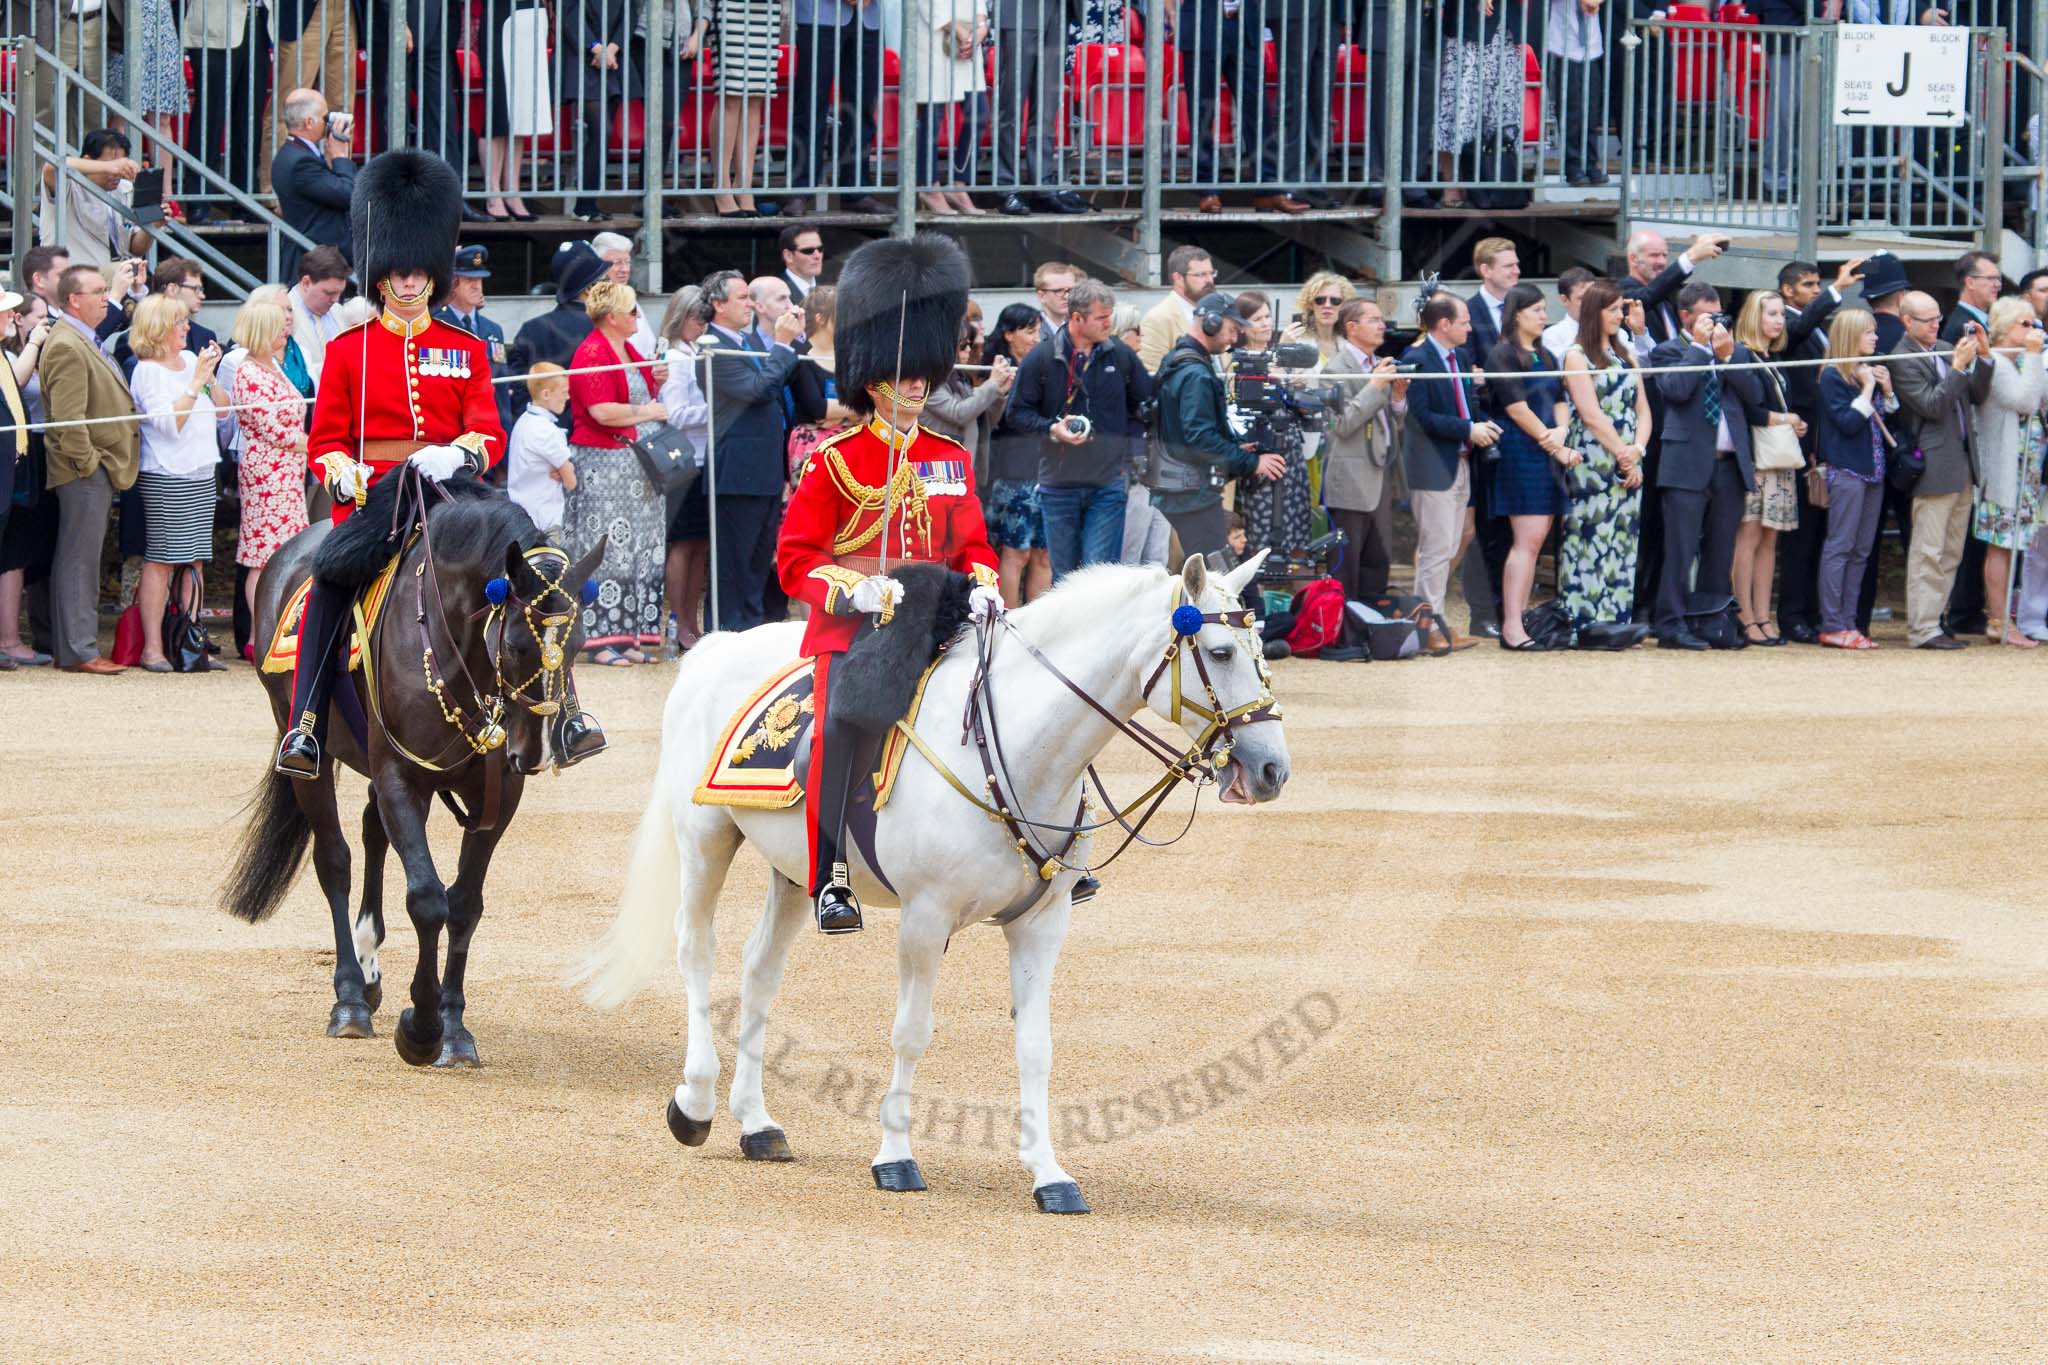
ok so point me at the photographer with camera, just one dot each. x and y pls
(1706, 473)
(1363, 431)
(314, 177)
(1195, 450)
(1083, 392)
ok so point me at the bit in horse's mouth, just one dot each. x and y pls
(1233, 790)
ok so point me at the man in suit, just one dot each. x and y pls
(1191, 274)
(833, 109)
(314, 178)
(465, 309)
(1499, 268)
(1031, 56)
(1707, 472)
(1978, 282)
(1443, 429)
(1654, 280)
(323, 279)
(751, 432)
(1361, 443)
(803, 259)
(554, 335)
(1808, 310)
(88, 465)
(1938, 397)
(316, 48)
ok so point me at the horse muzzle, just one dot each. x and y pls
(1252, 777)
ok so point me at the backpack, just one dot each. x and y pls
(1318, 618)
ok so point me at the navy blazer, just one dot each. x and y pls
(1845, 433)
(1484, 334)
(748, 426)
(1687, 462)
(313, 197)
(1434, 436)
(1658, 297)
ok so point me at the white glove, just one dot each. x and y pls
(984, 604)
(877, 592)
(439, 462)
(347, 481)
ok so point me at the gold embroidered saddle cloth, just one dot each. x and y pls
(763, 755)
(283, 654)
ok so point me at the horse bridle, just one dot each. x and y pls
(1197, 764)
(501, 603)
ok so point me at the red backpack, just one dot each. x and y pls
(1318, 618)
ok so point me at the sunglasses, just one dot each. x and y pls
(808, 250)
(1330, 301)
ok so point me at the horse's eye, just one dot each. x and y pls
(1222, 654)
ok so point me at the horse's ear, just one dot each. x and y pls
(516, 570)
(1194, 577)
(1234, 581)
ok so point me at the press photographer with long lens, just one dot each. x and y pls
(1275, 404)
(1195, 450)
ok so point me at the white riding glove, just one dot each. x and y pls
(439, 462)
(984, 604)
(877, 592)
(347, 480)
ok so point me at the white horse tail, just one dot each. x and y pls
(642, 938)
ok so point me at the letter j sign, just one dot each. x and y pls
(1893, 75)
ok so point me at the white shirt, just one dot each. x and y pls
(94, 234)
(683, 397)
(188, 452)
(1559, 336)
(538, 448)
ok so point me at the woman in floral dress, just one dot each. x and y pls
(273, 471)
(2009, 449)
(1610, 425)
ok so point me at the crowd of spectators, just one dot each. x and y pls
(1695, 470)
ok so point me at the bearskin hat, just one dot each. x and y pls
(406, 214)
(891, 290)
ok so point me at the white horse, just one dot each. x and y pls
(1107, 629)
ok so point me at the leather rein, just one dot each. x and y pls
(489, 736)
(1197, 764)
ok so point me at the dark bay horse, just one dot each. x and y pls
(469, 655)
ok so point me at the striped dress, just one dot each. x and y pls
(746, 35)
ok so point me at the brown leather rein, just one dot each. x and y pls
(489, 739)
(1196, 765)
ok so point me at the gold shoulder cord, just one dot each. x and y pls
(908, 495)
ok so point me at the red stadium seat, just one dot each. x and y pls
(892, 84)
(1694, 54)
(1350, 101)
(1532, 97)
(1109, 89)
(697, 111)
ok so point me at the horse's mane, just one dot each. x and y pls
(1084, 584)
(476, 522)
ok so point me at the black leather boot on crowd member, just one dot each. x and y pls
(577, 734)
(321, 626)
(846, 751)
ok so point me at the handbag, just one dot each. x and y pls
(1772, 448)
(666, 459)
(184, 638)
(1817, 487)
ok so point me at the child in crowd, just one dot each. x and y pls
(538, 456)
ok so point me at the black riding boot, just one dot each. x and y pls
(577, 735)
(322, 628)
(847, 751)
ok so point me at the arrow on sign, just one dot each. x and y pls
(1855, 113)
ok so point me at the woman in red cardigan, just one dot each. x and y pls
(612, 496)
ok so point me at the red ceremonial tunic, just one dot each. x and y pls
(423, 383)
(832, 532)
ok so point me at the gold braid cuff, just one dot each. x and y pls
(984, 576)
(476, 443)
(839, 585)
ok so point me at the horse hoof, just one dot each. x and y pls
(373, 995)
(458, 1050)
(767, 1145)
(415, 1051)
(350, 1021)
(1061, 1197)
(690, 1132)
(898, 1177)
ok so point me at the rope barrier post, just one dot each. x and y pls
(1990, 142)
(913, 56)
(1155, 120)
(1812, 121)
(1394, 172)
(711, 473)
(651, 161)
(395, 102)
(1632, 45)
(26, 76)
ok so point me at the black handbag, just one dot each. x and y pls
(184, 637)
(1549, 625)
(666, 459)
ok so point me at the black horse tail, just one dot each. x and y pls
(272, 848)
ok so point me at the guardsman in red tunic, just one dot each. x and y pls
(877, 496)
(401, 389)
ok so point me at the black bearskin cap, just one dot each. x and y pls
(932, 271)
(406, 214)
